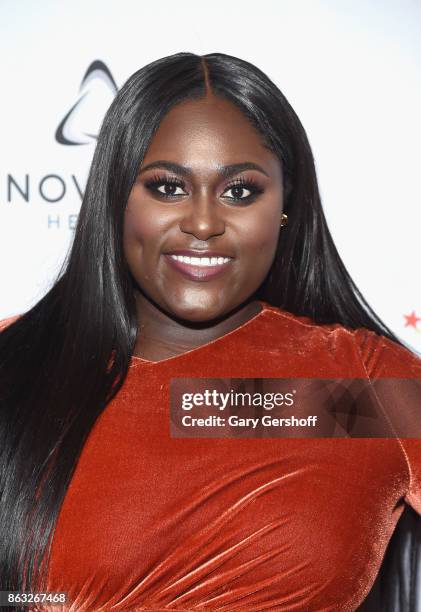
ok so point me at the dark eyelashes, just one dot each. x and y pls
(242, 183)
(249, 184)
(246, 183)
(162, 180)
(157, 181)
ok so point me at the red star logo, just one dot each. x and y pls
(412, 320)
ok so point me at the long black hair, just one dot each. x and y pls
(62, 361)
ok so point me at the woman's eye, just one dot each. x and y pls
(240, 192)
(170, 189)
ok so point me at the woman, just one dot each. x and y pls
(197, 157)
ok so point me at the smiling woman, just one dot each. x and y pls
(215, 215)
(201, 252)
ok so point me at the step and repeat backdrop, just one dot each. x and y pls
(351, 70)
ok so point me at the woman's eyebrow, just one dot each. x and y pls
(223, 171)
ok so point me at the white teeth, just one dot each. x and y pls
(201, 261)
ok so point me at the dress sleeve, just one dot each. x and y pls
(395, 374)
(6, 322)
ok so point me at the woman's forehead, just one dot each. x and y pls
(205, 132)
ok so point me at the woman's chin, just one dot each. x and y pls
(197, 312)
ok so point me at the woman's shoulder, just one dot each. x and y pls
(297, 323)
(304, 327)
(380, 355)
(8, 321)
(383, 357)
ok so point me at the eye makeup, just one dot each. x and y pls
(168, 187)
(241, 184)
(171, 185)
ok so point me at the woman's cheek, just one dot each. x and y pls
(139, 230)
(264, 237)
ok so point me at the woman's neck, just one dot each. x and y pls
(161, 336)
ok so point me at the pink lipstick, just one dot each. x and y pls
(199, 265)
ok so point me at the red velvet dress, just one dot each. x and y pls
(152, 522)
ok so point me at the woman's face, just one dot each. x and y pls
(207, 188)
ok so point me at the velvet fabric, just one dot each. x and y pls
(152, 522)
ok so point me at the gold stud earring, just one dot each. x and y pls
(284, 219)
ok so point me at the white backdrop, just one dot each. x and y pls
(350, 69)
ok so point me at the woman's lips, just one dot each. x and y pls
(197, 272)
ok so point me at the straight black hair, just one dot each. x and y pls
(62, 361)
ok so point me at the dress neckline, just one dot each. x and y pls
(264, 308)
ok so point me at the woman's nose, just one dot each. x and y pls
(203, 218)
